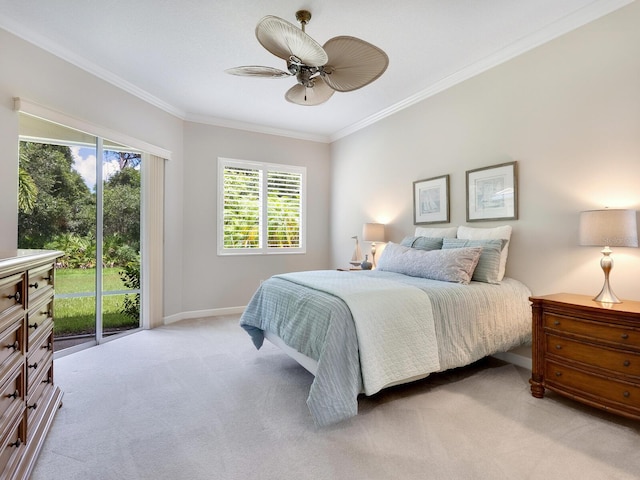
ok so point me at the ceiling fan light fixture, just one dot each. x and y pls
(344, 63)
(310, 96)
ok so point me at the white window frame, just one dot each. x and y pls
(264, 167)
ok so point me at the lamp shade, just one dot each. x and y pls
(610, 228)
(373, 232)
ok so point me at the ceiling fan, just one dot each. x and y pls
(343, 64)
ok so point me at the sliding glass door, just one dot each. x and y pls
(81, 194)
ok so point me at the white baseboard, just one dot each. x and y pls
(514, 358)
(213, 312)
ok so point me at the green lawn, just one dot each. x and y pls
(75, 316)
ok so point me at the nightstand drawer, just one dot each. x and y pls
(599, 331)
(618, 361)
(592, 386)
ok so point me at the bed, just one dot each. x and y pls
(431, 305)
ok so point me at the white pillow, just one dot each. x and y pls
(453, 265)
(503, 233)
(447, 232)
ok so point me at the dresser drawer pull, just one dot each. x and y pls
(626, 363)
(33, 365)
(556, 323)
(16, 296)
(558, 347)
(626, 394)
(33, 285)
(32, 407)
(16, 444)
(13, 395)
(624, 336)
(33, 325)
(15, 345)
(48, 346)
(558, 374)
(47, 380)
(48, 278)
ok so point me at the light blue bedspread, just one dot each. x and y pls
(471, 321)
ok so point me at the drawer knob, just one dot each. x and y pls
(626, 363)
(16, 444)
(32, 407)
(13, 395)
(558, 347)
(626, 394)
(33, 325)
(556, 323)
(558, 374)
(624, 336)
(48, 346)
(47, 380)
(15, 345)
(33, 365)
(33, 285)
(16, 296)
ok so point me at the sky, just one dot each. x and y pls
(84, 161)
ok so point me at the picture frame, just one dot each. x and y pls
(492, 193)
(431, 200)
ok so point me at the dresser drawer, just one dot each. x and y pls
(12, 396)
(12, 447)
(38, 397)
(12, 340)
(40, 281)
(618, 361)
(593, 387)
(39, 318)
(11, 294)
(605, 332)
(39, 359)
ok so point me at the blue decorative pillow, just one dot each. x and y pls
(488, 269)
(423, 243)
(453, 265)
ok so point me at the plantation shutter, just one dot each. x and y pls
(261, 208)
(242, 207)
(284, 209)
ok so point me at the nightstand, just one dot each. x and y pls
(587, 351)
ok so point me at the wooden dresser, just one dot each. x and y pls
(28, 397)
(587, 351)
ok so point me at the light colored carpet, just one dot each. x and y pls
(194, 400)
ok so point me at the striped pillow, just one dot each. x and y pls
(488, 268)
(422, 243)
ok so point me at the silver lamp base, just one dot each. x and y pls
(606, 295)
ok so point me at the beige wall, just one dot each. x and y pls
(212, 281)
(568, 112)
(37, 76)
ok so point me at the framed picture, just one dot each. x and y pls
(431, 200)
(492, 193)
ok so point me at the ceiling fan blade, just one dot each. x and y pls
(284, 40)
(302, 95)
(353, 63)
(257, 71)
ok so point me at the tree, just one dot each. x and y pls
(63, 201)
(122, 207)
(27, 191)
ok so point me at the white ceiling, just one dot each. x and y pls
(173, 53)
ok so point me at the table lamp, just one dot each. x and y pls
(608, 228)
(373, 232)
